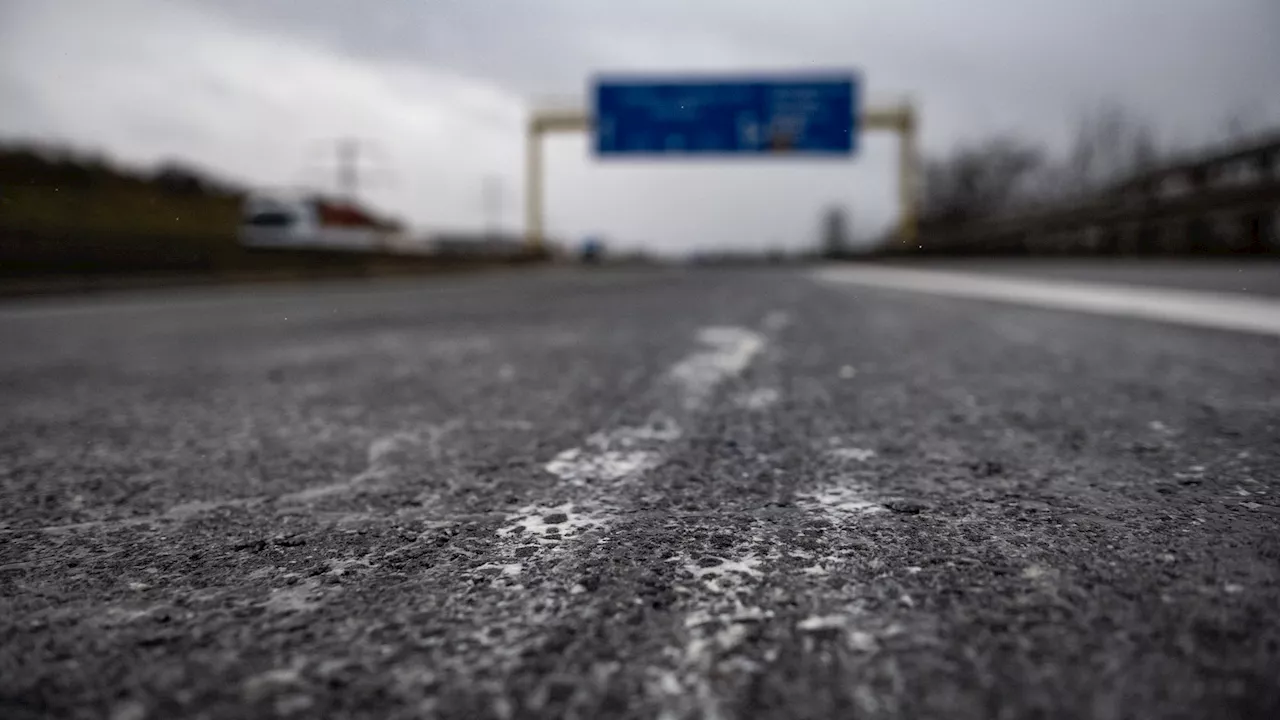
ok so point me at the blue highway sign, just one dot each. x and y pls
(811, 114)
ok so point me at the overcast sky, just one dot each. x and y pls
(254, 89)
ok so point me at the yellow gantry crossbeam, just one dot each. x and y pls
(900, 119)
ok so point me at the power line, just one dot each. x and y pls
(350, 167)
(491, 199)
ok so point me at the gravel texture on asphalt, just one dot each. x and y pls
(632, 494)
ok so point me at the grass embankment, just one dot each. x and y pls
(72, 222)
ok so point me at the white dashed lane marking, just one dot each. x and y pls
(593, 470)
(728, 351)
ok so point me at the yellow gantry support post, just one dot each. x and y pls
(901, 120)
(533, 187)
(540, 124)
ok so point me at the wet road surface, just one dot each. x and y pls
(633, 494)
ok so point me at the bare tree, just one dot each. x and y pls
(1245, 122)
(1006, 174)
(1110, 144)
(978, 180)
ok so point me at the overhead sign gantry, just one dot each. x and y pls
(802, 115)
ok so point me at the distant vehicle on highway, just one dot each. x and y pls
(592, 250)
(295, 220)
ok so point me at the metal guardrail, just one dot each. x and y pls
(1136, 216)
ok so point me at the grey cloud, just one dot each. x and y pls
(1035, 52)
(243, 85)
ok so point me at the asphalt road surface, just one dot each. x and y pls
(633, 494)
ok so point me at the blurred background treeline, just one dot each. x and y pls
(1113, 189)
(68, 213)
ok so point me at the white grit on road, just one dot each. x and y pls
(592, 471)
(617, 453)
(1218, 310)
(728, 351)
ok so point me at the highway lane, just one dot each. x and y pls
(649, 494)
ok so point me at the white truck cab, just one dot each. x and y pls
(295, 220)
(278, 220)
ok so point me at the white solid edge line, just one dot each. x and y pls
(1225, 311)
